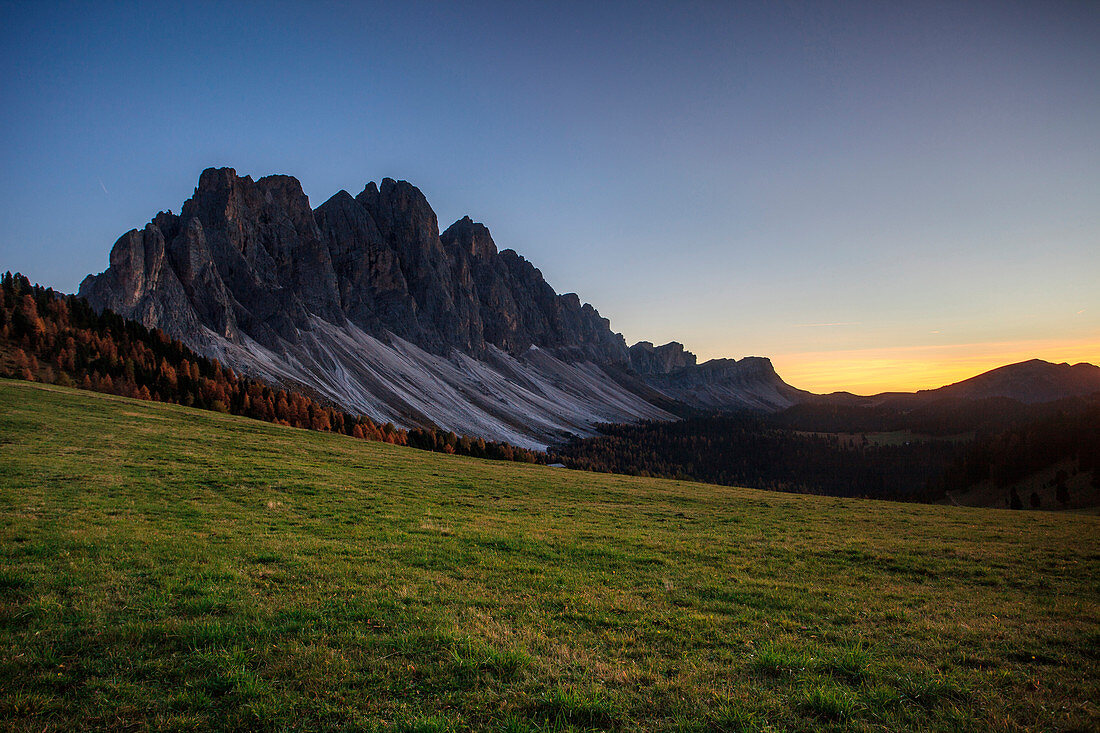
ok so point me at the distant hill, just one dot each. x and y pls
(1029, 382)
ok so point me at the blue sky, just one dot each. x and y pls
(876, 195)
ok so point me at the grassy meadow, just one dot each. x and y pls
(166, 568)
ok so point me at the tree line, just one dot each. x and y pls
(764, 452)
(1004, 458)
(59, 339)
(749, 450)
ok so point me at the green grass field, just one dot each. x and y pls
(174, 569)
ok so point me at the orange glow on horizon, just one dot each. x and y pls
(910, 368)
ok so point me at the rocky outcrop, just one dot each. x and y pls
(728, 385)
(518, 308)
(645, 358)
(142, 284)
(717, 385)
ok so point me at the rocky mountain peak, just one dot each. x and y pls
(219, 179)
(251, 259)
(727, 384)
(472, 238)
(645, 358)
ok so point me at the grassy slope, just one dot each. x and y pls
(167, 567)
(1082, 496)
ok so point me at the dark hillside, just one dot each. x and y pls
(945, 448)
(750, 450)
(1068, 440)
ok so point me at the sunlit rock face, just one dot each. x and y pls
(364, 301)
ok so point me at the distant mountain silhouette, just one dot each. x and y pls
(1029, 382)
(995, 400)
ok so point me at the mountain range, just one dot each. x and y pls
(365, 303)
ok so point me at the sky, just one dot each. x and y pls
(878, 196)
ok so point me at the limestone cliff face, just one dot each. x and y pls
(726, 385)
(645, 358)
(142, 284)
(364, 301)
(251, 258)
(249, 273)
(518, 308)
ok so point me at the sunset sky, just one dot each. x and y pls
(878, 196)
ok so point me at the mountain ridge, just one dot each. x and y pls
(1030, 381)
(365, 301)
